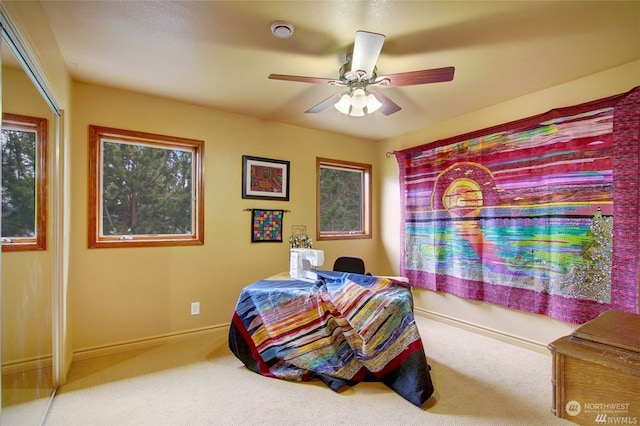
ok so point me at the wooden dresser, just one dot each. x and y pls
(596, 371)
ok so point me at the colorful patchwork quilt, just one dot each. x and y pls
(342, 329)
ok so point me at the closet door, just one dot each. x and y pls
(29, 255)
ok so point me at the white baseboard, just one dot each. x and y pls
(485, 331)
(149, 342)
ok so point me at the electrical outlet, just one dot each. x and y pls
(195, 308)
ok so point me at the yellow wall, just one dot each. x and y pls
(119, 295)
(536, 329)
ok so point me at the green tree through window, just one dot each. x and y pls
(23, 182)
(146, 190)
(340, 200)
(344, 207)
(18, 183)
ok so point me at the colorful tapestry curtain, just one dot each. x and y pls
(539, 215)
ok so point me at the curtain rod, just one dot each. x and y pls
(249, 210)
(389, 154)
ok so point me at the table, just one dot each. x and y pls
(342, 329)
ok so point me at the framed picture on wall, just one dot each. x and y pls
(265, 178)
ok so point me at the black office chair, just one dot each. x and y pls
(354, 265)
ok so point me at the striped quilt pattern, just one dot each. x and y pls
(342, 329)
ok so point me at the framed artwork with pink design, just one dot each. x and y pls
(265, 178)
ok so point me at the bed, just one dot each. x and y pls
(342, 329)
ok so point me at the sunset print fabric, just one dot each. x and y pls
(538, 215)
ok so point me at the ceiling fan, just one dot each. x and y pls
(359, 74)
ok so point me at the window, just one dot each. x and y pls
(145, 189)
(24, 183)
(344, 199)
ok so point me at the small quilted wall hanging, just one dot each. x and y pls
(266, 226)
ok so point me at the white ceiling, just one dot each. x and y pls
(219, 53)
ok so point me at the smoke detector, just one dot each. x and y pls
(282, 29)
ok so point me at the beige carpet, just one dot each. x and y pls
(478, 381)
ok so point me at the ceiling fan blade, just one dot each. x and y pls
(316, 80)
(388, 106)
(331, 100)
(366, 50)
(436, 75)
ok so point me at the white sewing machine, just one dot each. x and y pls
(303, 261)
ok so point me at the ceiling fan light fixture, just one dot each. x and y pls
(359, 72)
(358, 98)
(344, 104)
(358, 103)
(356, 112)
(373, 104)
